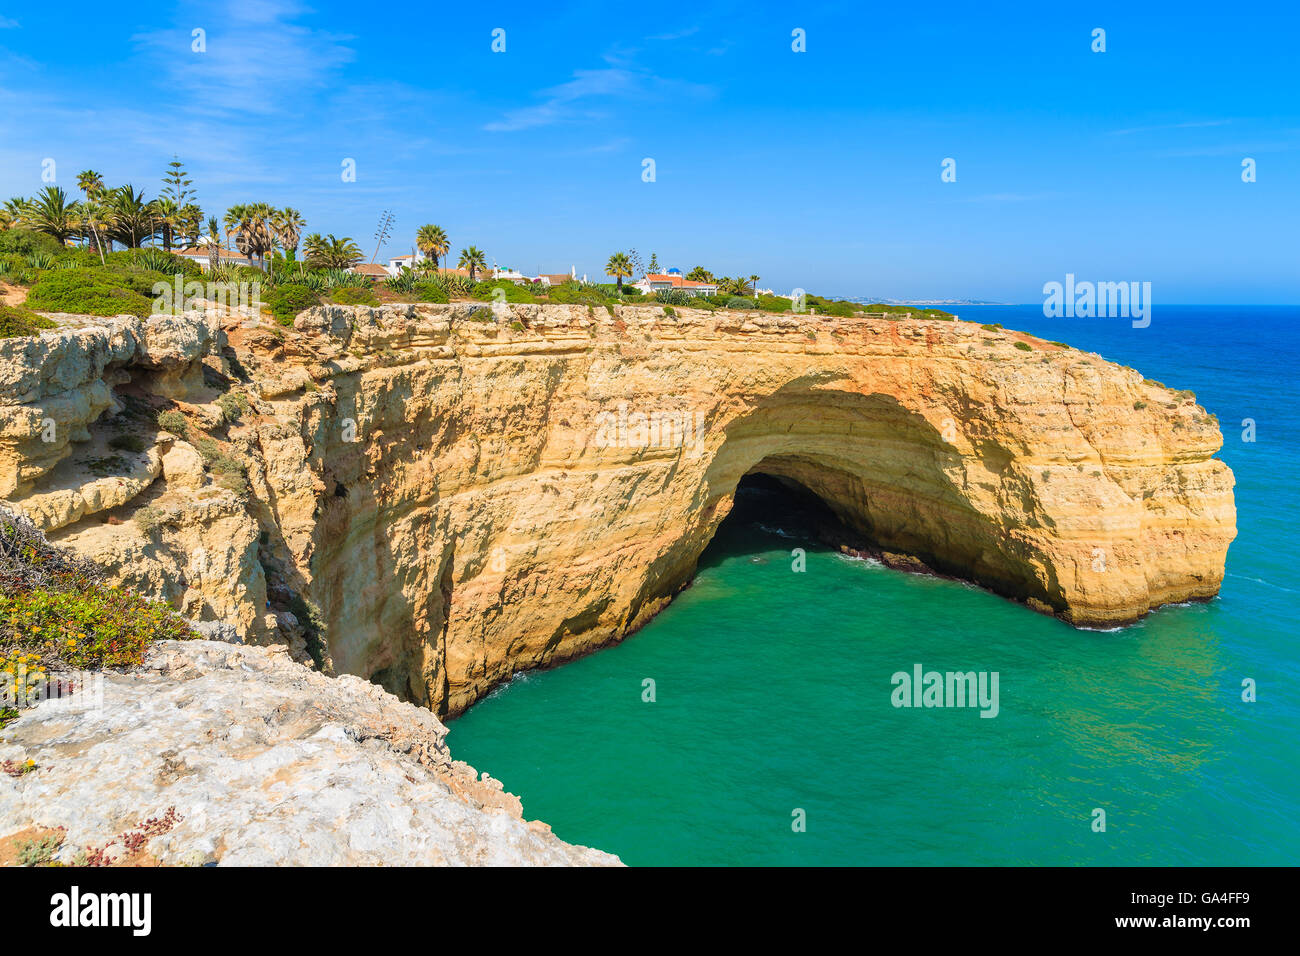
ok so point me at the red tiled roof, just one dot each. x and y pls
(677, 281)
(204, 253)
(370, 269)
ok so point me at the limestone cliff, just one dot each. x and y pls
(437, 497)
(236, 755)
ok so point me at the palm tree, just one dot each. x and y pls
(754, 279)
(432, 241)
(250, 224)
(91, 213)
(330, 253)
(132, 219)
(618, 266)
(214, 244)
(168, 216)
(472, 259)
(288, 225)
(51, 213)
(313, 249)
(342, 253)
(16, 210)
(91, 183)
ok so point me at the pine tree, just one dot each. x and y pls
(176, 183)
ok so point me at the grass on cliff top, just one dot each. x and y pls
(57, 615)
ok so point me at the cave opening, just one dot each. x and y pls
(766, 506)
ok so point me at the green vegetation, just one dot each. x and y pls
(432, 241)
(132, 443)
(174, 422)
(16, 322)
(473, 260)
(56, 614)
(232, 405)
(286, 301)
(620, 267)
(488, 292)
(354, 295)
(230, 472)
(1024, 346)
(94, 291)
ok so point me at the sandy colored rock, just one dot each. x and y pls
(445, 495)
(263, 763)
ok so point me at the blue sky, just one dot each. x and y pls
(818, 169)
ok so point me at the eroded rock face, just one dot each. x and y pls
(262, 763)
(442, 495)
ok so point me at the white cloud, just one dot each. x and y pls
(565, 102)
(255, 58)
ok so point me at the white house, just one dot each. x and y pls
(224, 256)
(410, 261)
(654, 282)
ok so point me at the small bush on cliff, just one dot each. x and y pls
(354, 295)
(1024, 346)
(430, 292)
(57, 614)
(88, 292)
(16, 322)
(286, 301)
(131, 443)
(174, 422)
(232, 405)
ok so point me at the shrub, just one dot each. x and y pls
(174, 422)
(427, 291)
(775, 303)
(739, 302)
(991, 327)
(26, 241)
(668, 310)
(571, 293)
(88, 292)
(1024, 346)
(56, 613)
(16, 322)
(149, 519)
(487, 292)
(232, 405)
(1138, 406)
(354, 295)
(286, 301)
(517, 326)
(131, 443)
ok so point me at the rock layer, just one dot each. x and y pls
(440, 496)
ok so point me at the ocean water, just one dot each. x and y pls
(772, 688)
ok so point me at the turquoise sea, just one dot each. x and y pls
(773, 688)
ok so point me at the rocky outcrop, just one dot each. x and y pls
(436, 497)
(244, 758)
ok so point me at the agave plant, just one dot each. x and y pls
(404, 281)
(155, 260)
(41, 260)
